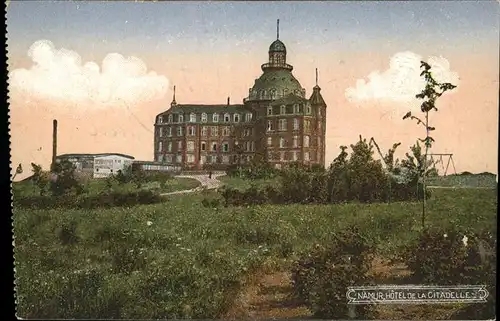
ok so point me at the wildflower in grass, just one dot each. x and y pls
(149, 223)
(464, 240)
(445, 235)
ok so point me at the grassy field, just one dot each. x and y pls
(95, 186)
(242, 184)
(180, 259)
(471, 180)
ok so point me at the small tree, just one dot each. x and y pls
(19, 170)
(65, 180)
(432, 91)
(39, 178)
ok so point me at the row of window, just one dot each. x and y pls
(179, 118)
(286, 110)
(283, 125)
(191, 131)
(226, 131)
(273, 93)
(295, 142)
(204, 159)
(226, 159)
(293, 156)
(248, 146)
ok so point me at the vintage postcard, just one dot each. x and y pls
(254, 160)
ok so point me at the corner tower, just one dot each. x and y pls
(318, 107)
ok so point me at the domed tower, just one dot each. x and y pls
(277, 79)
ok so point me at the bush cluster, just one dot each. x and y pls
(256, 169)
(320, 278)
(102, 200)
(250, 196)
(444, 257)
(356, 178)
(139, 177)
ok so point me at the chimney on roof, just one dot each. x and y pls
(228, 101)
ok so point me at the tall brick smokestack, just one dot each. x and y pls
(54, 143)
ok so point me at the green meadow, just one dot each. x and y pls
(180, 259)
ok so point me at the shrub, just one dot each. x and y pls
(211, 202)
(440, 256)
(65, 182)
(320, 278)
(256, 169)
(102, 200)
(300, 184)
(67, 233)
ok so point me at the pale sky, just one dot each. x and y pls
(105, 69)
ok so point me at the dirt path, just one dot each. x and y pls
(208, 183)
(267, 296)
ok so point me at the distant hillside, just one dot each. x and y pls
(465, 179)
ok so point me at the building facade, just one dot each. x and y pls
(276, 122)
(98, 165)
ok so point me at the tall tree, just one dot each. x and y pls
(432, 91)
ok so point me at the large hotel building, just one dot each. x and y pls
(276, 122)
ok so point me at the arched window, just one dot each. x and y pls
(204, 117)
(192, 118)
(181, 118)
(236, 118)
(227, 118)
(170, 118)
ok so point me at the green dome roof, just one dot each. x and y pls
(277, 46)
(281, 81)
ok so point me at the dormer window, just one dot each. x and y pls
(160, 119)
(180, 119)
(273, 94)
(236, 118)
(296, 109)
(204, 117)
(308, 109)
(269, 110)
(192, 118)
(283, 109)
(248, 117)
(215, 118)
(170, 118)
(227, 118)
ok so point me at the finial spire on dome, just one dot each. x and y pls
(278, 29)
(316, 76)
(173, 103)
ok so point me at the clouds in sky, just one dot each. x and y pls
(59, 74)
(402, 81)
